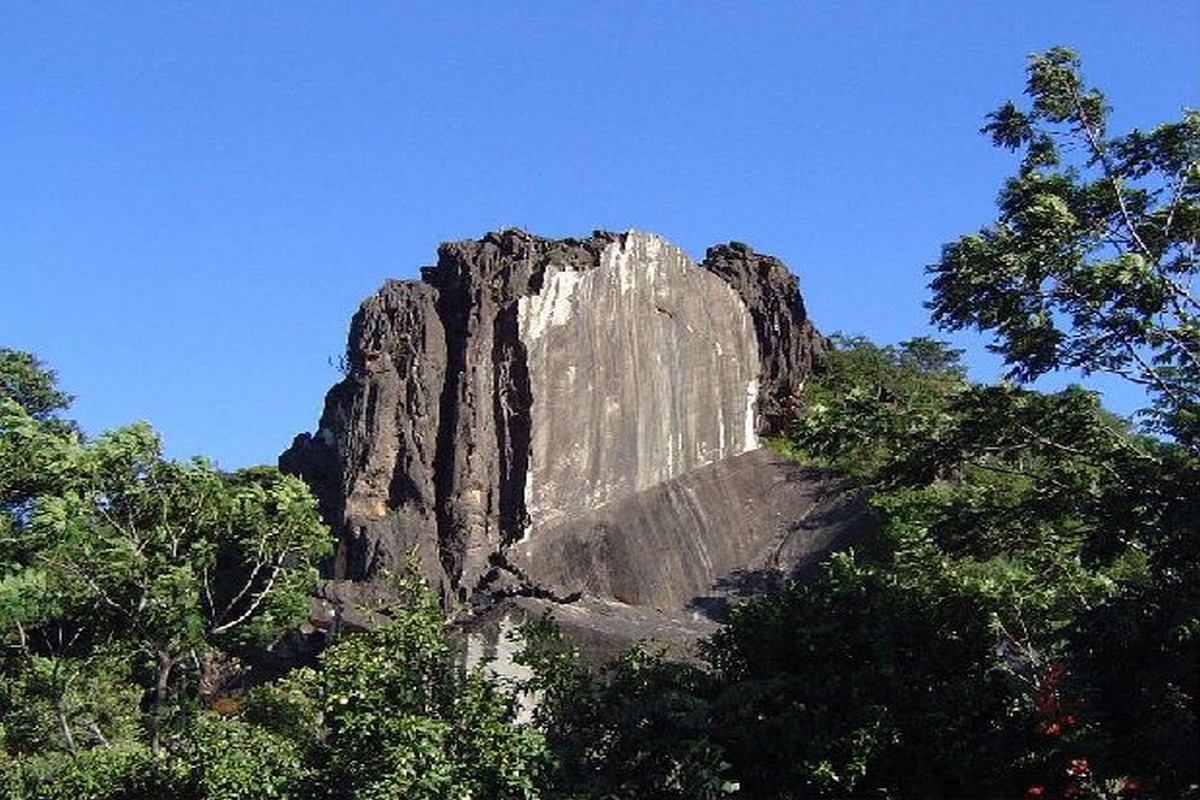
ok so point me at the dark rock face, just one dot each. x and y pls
(563, 419)
(787, 340)
(372, 461)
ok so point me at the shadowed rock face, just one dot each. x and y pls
(372, 462)
(554, 418)
(788, 342)
(693, 540)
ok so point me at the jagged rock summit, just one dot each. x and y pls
(567, 419)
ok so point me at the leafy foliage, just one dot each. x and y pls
(863, 683)
(1055, 546)
(1091, 262)
(1090, 266)
(640, 727)
(27, 382)
(130, 585)
(1037, 516)
(870, 399)
(392, 714)
(123, 579)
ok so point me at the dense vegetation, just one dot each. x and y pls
(1026, 624)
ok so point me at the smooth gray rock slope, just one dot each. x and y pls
(572, 419)
(640, 369)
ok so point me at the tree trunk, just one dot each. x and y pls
(165, 664)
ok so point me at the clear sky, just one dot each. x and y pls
(195, 196)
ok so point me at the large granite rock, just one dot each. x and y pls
(640, 369)
(571, 419)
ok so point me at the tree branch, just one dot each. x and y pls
(256, 602)
(1100, 153)
(246, 587)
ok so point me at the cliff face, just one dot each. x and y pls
(527, 393)
(641, 369)
(788, 342)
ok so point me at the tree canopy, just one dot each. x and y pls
(1029, 620)
(1091, 262)
(137, 595)
(129, 583)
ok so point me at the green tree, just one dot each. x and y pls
(392, 714)
(26, 381)
(908, 669)
(960, 652)
(126, 580)
(1056, 548)
(1091, 262)
(130, 585)
(169, 560)
(869, 399)
(1091, 266)
(639, 727)
(864, 682)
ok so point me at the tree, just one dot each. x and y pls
(1091, 262)
(26, 381)
(1058, 548)
(177, 560)
(130, 585)
(910, 668)
(640, 727)
(865, 682)
(392, 714)
(1091, 266)
(125, 577)
(1028, 607)
(868, 399)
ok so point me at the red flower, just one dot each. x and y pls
(1132, 785)
(1078, 766)
(1045, 702)
(1036, 790)
(1049, 728)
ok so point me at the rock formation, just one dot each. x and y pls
(788, 343)
(570, 418)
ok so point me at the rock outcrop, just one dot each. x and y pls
(641, 369)
(788, 342)
(692, 540)
(558, 418)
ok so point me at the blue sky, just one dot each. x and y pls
(196, 196)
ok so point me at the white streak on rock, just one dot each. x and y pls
(751, 438)
(641, 369)
(552, 307)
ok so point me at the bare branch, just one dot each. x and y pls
(246, 587)
(256, 602)
(1101, 155)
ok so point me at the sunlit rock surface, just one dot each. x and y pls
(574, 422)
(641, 369)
